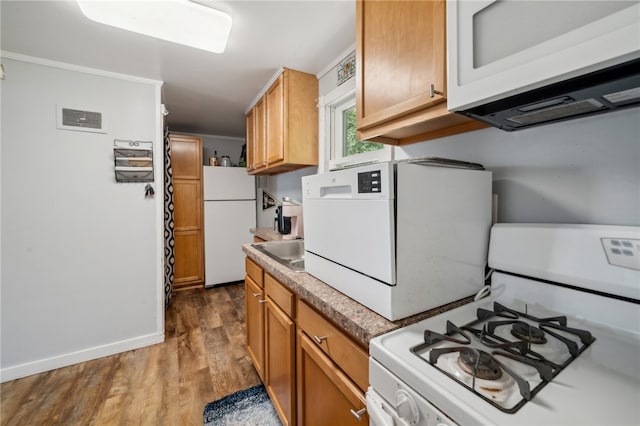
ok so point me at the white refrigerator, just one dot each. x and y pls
(229, 213)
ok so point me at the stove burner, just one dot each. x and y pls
(509, 359)
(529, 333)
(487, 368)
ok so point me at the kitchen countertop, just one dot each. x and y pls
(355, 319)
(266, 234)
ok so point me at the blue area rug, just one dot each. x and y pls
(247, 407)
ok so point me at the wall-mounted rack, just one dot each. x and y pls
(133, 161)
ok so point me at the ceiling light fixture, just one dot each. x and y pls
(178, 21)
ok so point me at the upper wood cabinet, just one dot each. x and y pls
(275, 121)
(284, 125)
(250, 123)
(256, 147)
(401, 73)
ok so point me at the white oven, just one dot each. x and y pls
(556, 342)
(399, 237)
(518, 63)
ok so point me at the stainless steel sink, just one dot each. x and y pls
(288, 252)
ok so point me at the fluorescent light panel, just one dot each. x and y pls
(178, 21)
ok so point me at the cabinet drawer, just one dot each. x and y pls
(282, 296)
(326, 395)
(350, 357)
(254, 271)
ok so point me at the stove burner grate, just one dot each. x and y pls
(528, 333)
(479, 364)
(483, 365)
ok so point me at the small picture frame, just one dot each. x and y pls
(347, 68)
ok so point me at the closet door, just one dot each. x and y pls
(186, 163)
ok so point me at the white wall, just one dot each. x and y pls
(579, 171)
(224, 145)
(281, 185)
(82, 254)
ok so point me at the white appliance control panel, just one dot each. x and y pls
(623, 252)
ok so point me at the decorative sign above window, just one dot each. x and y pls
(347, 68)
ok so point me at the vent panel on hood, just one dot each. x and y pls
(602, 91)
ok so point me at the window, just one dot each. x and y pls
(338, 132)
(345, 140)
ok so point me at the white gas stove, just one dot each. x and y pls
(557, 342)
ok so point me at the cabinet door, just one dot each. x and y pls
(259, 145)
(250, 124)
(400, 73)
(326, 396)
(401, 53)
(348, 356)
(186, 157)
(275, 121)
(186, 164)
(188, 254)
(280, 376)
(187, 201)
(254, 298)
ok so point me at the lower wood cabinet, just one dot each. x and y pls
(326, 395)
(280, 343)
(254, 298)
(314, 373)
(335, 344)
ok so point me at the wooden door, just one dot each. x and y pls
(254, 298)
(186, 164)
(326, 396)
(280, 335)
(401, 52)
(260, 137)
(250, 123)
(275, 121)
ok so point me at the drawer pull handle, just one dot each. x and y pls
(358, 414)
(262, 301)
(433, 92)
(255, 294)
(320, 339)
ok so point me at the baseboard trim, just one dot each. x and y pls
(47, 364)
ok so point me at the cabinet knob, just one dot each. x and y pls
(319, 339)
(358, 414)
(433, 92)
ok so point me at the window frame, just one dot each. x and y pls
(331, 130)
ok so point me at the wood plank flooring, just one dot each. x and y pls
(203, 358)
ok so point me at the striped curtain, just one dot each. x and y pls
(169, 242)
